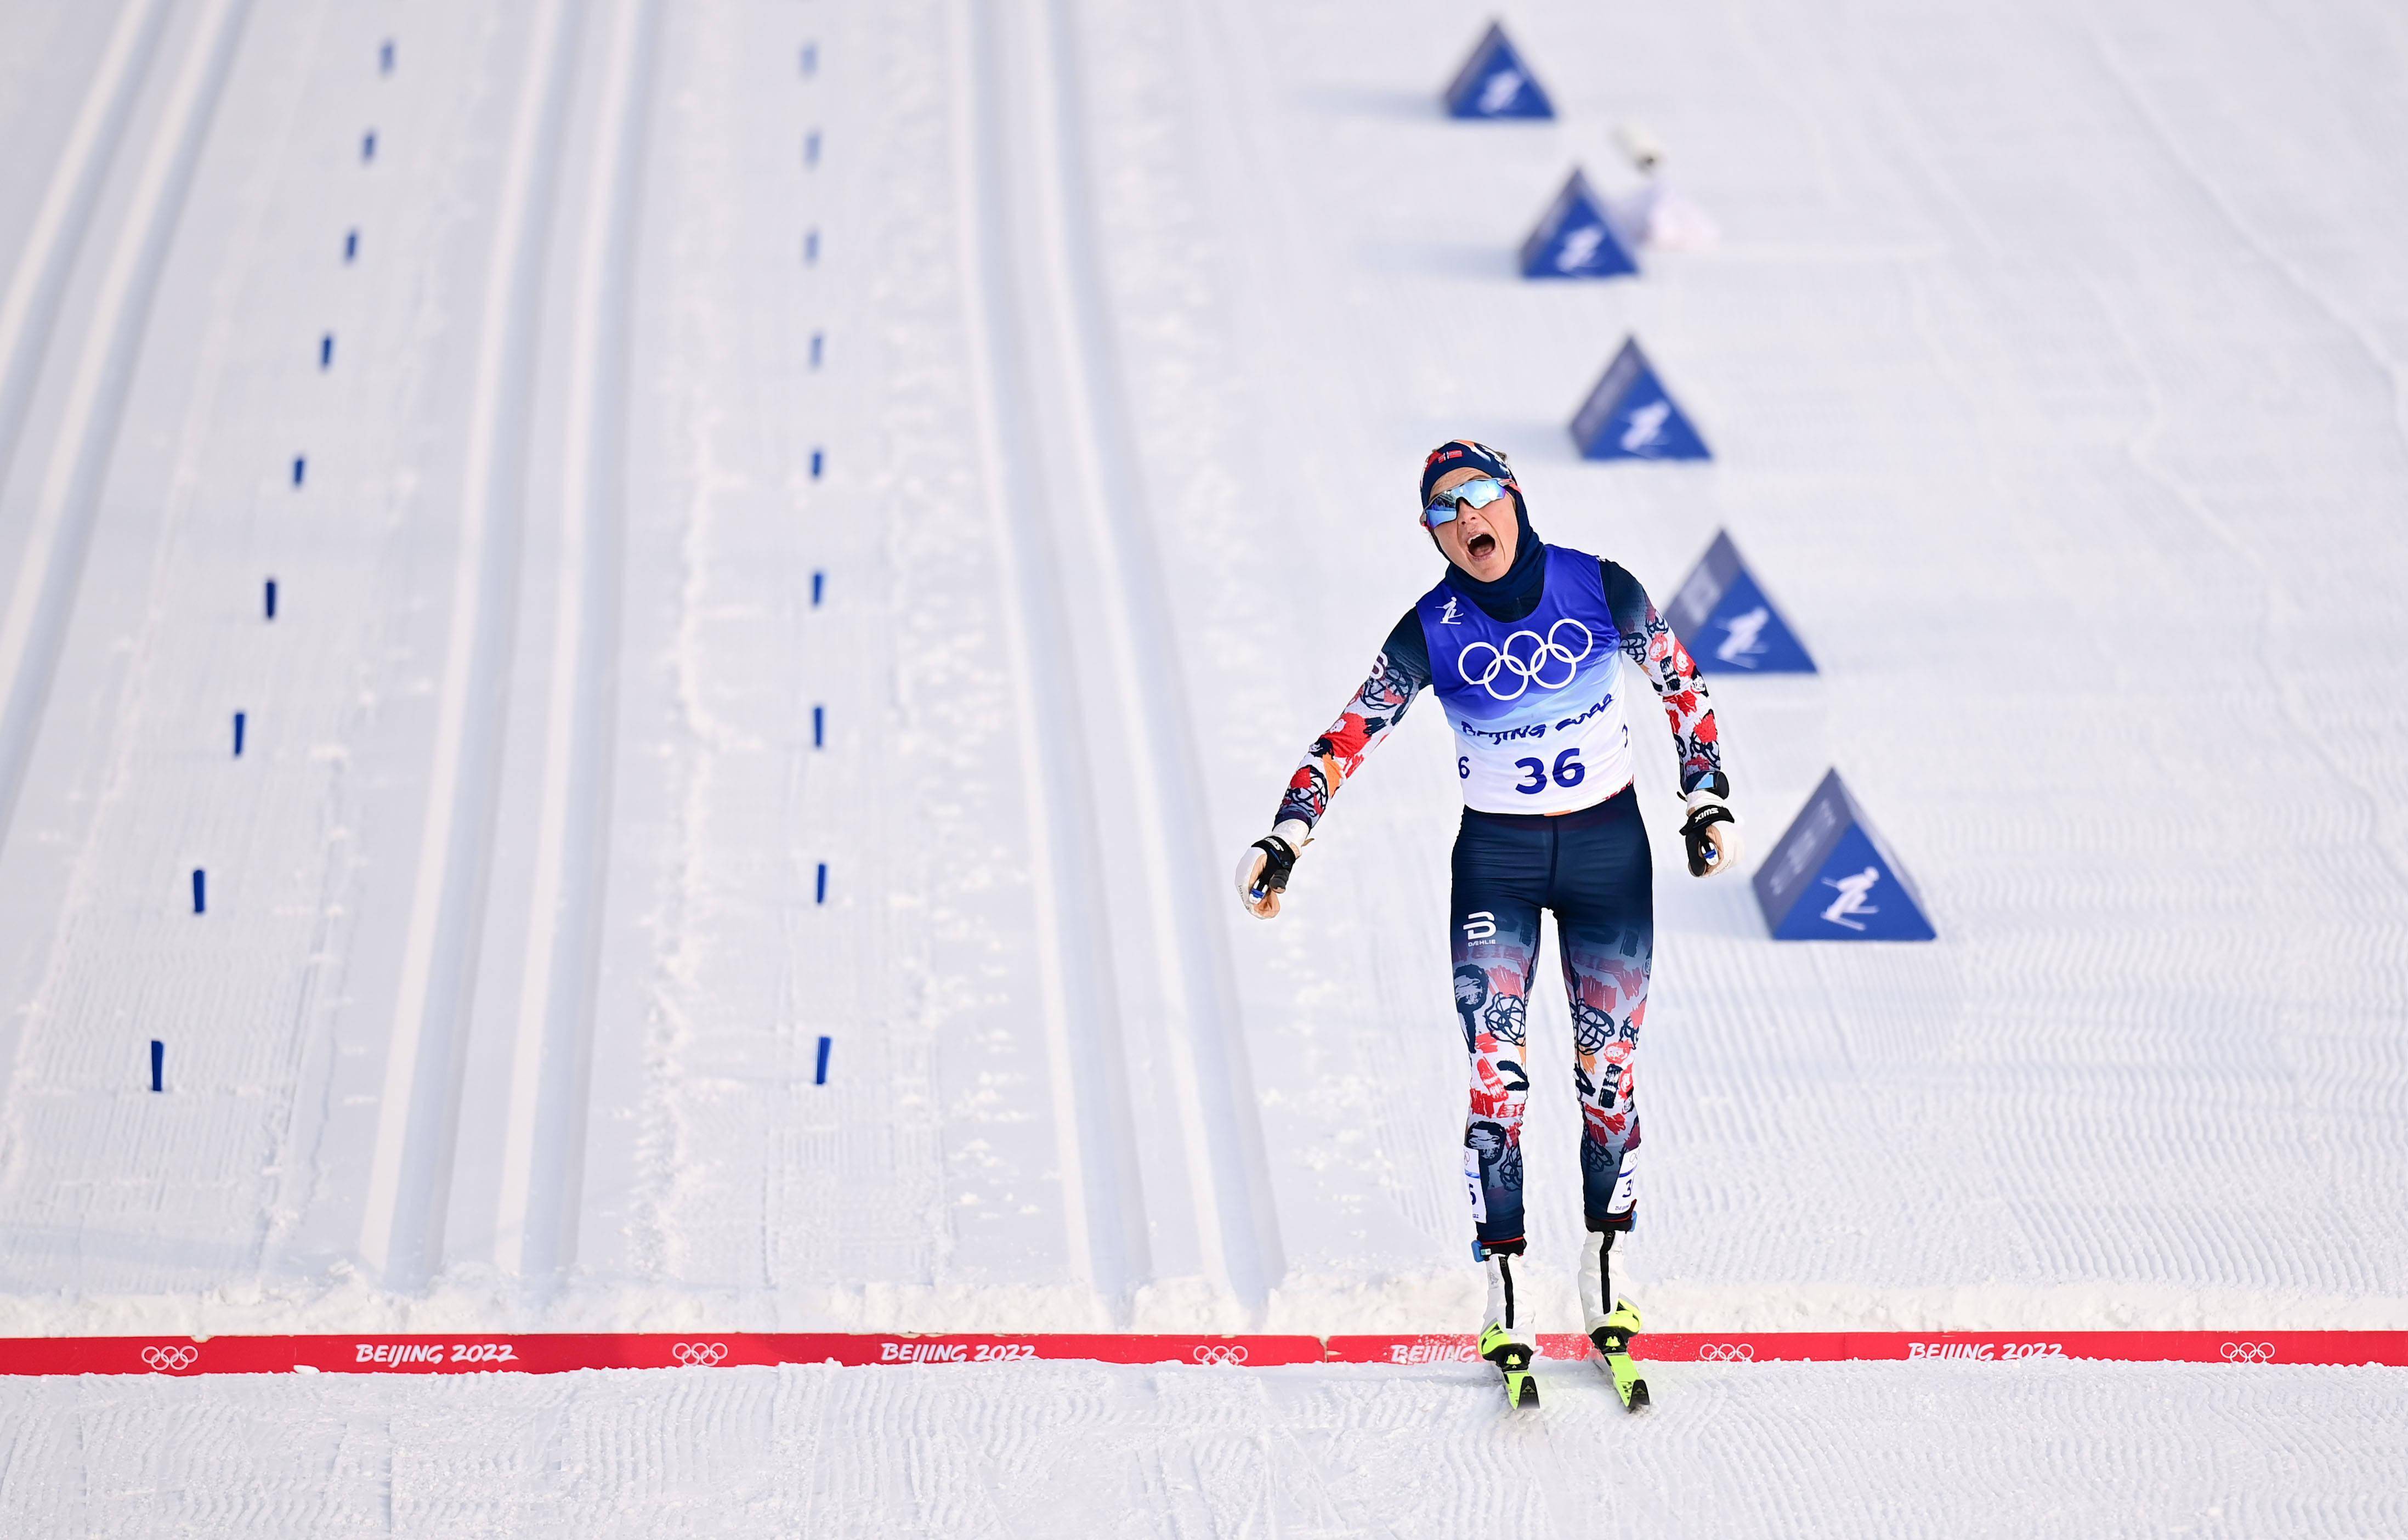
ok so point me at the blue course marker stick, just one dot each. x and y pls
(818, 586)
(326, 352)
(811, 148)
(384, 58)
(819, 726)
(367, 145)
(159, 1063)
(811, 245)
(350, 244)
(819, 1079)
(237, 735)
(300, 467)
(811, 57)
(200, 891)
(819, 340)
(271, 598)
(819, 463)
(821, 898)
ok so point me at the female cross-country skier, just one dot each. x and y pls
(1521, 642)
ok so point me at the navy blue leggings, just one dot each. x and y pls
(1592, 869)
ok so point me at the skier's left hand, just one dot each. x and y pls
(1712, 833)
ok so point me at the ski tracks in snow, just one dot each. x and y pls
(35, 623)
(418, 1118)
(31, 306)
(543, 1150)
(1161, 1135)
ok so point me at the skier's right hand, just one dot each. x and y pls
(1263, 869)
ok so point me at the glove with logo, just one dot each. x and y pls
(1263, 869)
(1712, 834)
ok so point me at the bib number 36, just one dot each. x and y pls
(1568, 771)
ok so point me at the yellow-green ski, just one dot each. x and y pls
(1612, 1340)
(1514, 1358)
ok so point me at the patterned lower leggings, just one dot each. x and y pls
(1592, 869)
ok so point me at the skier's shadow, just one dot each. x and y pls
(1488, 262)
(1722, 905)
(1390, 103)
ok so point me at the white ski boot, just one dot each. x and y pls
(1610, 1331)
(1504, 1340)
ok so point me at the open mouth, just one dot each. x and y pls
(1481, 547)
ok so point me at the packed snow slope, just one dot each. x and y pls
(803, 542)
(1966, 1450)
(640, 636)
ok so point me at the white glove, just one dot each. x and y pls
(1712, 833)
(1263, 869)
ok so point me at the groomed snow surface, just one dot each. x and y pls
(1084, 1450)
(800, 523)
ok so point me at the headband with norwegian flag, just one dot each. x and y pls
(1464, 455)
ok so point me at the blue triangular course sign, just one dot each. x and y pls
(1830, 878)
(1573, 238)
(1631, 416)
(1723, 616)
(1494, 83)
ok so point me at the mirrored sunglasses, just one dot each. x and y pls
(1479, 494)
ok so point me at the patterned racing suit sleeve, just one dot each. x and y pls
(1400, 673)
(1650, 643)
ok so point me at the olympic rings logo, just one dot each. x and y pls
(1726, 1352)
(699, 1355)
(169, 1361)
(1214, 1353)
(1533, 669)
(2249, 1352)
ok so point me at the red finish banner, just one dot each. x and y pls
(551, 1353)
(2325, 1348)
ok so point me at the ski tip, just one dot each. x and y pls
(1637, 1401)
(1521, 1390)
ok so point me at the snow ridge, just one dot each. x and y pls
(1095, 1124)
(32, 305)
(419, 1116)
(543, 1150)
(1112, 689)
(36, 621)
(1209, 1048)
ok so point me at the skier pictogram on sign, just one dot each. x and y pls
(1722, 612)
(1831, 878)
(1574, 238)
(1494, 82)
(1631, 416)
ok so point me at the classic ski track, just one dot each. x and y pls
(1095, 1131)
(31, 307)
(1227, 1160)
(418, 1118)
(118, 786)
(543, 1145)
(35, 627)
